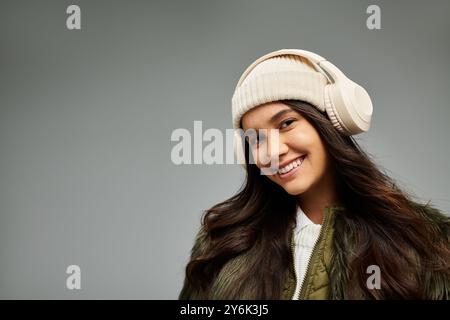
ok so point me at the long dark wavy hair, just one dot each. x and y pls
(385, 226)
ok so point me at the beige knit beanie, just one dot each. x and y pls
(278, 78)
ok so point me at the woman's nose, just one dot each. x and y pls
(270, 153)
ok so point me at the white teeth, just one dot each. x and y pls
(290, 166)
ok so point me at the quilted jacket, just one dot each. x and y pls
(327, 272)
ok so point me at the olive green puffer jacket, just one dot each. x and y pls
(327, 272)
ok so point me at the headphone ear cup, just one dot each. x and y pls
(331, 110)
(347, 104)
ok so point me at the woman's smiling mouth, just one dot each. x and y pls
(290, 169)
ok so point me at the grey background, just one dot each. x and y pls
(86, 118)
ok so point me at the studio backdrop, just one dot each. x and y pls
(93, 203)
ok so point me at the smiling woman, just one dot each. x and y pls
(328, 216)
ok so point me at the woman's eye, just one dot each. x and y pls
(287, 123)
(257, 141)
(253, 141)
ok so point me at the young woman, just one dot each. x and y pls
(329, 224)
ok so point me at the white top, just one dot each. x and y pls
(306, 234)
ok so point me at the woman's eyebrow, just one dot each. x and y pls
(278, 115)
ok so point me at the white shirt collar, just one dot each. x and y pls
(303, 220)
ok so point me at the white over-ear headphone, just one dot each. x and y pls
(347, 104)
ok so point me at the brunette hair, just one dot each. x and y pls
(387, 230)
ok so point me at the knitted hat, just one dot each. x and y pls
(279, 78)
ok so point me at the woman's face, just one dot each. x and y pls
(300, 147)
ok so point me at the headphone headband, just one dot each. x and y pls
(314, 58)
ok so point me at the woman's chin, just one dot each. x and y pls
(294, 190)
